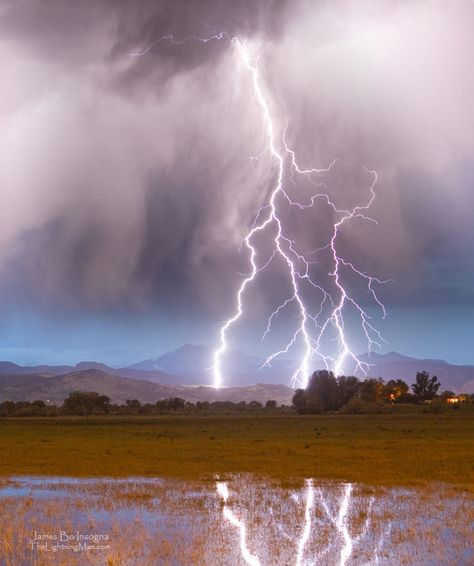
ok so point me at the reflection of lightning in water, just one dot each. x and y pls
(341, 524)
(340, 512)
(307, 521)
(298, 265)
(381, 543)
(223, 491)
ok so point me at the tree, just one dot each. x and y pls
(425, 387)
(372, 390)
(133, 406)
(348, 388)
(176, 403)
(84, 403)
(270, 404)
(172, 403)
(395, 389)
(299, 401)
(322, 392)
(254, 405)
(325, 393)
(7, 409)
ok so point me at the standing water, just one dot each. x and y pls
(235, 520)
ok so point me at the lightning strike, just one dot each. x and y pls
(268, 217)
(313, 327)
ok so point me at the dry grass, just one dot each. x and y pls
(375, 449)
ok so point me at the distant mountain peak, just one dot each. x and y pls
(194, 363)
(92, 365)
(389, 357)
(88, 372)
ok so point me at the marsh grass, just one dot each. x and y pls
(171, 522)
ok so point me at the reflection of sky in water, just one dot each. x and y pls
(245, 520)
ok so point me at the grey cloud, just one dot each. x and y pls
(128, 180)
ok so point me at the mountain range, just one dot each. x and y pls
(186, 373)
(458, 378)
(192, 363)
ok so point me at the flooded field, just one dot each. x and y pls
(234, 520)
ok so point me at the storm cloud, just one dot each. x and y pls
(130, 181)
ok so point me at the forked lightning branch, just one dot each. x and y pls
(325, 312)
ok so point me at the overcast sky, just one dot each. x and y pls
(128, 183)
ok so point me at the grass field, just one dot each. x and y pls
(376, 449)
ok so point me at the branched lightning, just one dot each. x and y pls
(298, 265)
(170, 37)
(329, 318)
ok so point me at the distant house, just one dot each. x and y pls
(462, 398)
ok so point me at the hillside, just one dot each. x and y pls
(55, 389)
(9, 368)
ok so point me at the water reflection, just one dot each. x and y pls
(223, 491)
(335, 509)
(237, 520)
(307, 521)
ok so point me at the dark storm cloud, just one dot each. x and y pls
(101, 215)
(72, 31)
(127, 180)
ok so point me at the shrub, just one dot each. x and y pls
(360, 407)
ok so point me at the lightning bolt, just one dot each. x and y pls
(297, 264)
(313, 327)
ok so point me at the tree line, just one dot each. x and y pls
(83, 403)
(349, 394)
